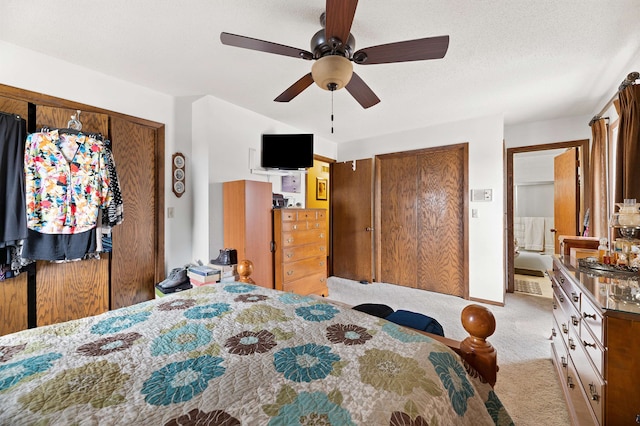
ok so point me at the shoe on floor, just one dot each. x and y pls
(176, 277)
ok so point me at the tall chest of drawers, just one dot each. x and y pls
(300, 238)
(596, 343)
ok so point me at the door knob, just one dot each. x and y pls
(368, 229)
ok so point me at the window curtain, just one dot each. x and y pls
(628, 148)
(598, 226)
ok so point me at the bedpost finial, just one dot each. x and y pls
(245, 269)
(478, 321)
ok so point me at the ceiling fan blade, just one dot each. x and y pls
(361, 92)
(403, 51)
(263, 46)
(295, 89)
(338, 18)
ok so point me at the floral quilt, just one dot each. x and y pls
(234, 354)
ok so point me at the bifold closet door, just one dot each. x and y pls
(77, 289)
(421, 209)
(134, 256)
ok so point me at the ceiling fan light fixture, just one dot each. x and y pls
(332, 72)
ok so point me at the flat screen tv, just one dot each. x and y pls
(287, 151)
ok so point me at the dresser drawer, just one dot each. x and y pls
(297, 238)
(302, 268)
(561, 318)
(313, 284)
(293, 254)
(580, 408)
(311, 214)
(317, 224)
(294, 225)
(559, 348)
(590, 379)
(592, 318)
(572, 292)
(288, 215)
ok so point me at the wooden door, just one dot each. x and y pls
(397, 243)
(77, 289)
(442, 222)
(352, 219)
(134, 259)
(13, 291)
(422, 219)
(566, 199)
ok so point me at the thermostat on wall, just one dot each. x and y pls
(481, 194)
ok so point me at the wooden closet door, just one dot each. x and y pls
(77, 289)
(134, 257)
(441, 197)
(422, 219)
(398, 248)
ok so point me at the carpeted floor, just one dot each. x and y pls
(527, 383)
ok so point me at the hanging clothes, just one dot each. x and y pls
(114, 214)
(66, 181)
(67, 185)
(13, 224)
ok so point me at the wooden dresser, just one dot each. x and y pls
(596, 344)
(300, 237)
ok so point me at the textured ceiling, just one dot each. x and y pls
(529, 60)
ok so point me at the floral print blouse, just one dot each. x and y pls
(66, 182)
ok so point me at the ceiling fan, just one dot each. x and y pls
(333, 51)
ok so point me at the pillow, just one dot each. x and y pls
(416, 321)
(375, 309)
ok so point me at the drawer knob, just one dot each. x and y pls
(322, 280)
(553, 332)
(586, 344)
(289, 272)
(575, 297)
(289, 255)
(561, 280)
(563, 361)
(594, 392)
(561, 299)
(321, 263)
(586, 315)
(574, 320)
(565, 329)
(321, 235)
(294, 227)
(289, 240)
(317, 225)
(322, 248)
(572, 344)
(570, 382)
(555, 306)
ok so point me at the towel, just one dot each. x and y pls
(533, 233)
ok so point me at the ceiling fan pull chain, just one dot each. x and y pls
(332, 111)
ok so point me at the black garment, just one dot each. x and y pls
(13, 217)
(59, 246)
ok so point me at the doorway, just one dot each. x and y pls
(583, 163)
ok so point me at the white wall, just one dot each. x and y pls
(550, 131)
(486, 171)
(224, 136)
(29, 70)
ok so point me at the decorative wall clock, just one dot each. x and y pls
(178, 164)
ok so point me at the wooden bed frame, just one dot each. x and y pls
(477, 320)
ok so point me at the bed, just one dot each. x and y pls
(236, 353)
